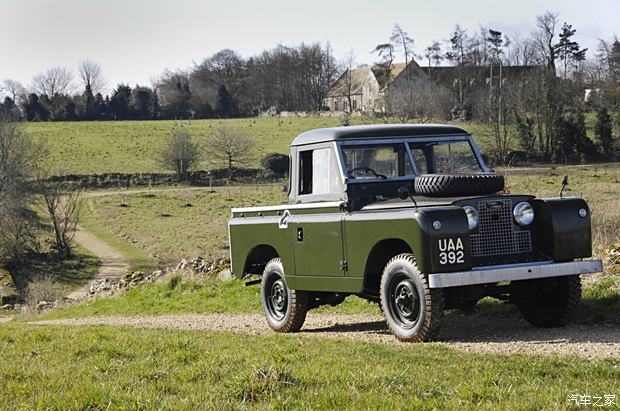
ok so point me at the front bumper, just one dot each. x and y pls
(513, 272)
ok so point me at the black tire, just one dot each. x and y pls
(413, 311)
(458, 185)
(549, 302)
(285, 309)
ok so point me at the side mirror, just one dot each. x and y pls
(403, 193)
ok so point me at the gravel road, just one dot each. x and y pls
(465, 332)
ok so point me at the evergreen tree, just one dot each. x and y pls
(69, 111)
(88, 104)
(225, 103)
(119, 102)
(99, 108)
(568, 50)
(34, 110)
(603, 130)
(142, 103)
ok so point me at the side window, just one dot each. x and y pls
(318, 172)
(305, 172)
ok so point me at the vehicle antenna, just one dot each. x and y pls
(564, 184)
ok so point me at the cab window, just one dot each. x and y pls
(318, 172)
(450, 157)
(377, 161)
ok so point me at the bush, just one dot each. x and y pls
(276, 163)
(43, 289)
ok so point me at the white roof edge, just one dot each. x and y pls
(287, 207)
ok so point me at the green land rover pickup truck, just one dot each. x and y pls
(411, 217)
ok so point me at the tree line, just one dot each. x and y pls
(224, 85)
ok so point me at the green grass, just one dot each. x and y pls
(185, 295)
(134, 146)
(162, 229)
(56, 367)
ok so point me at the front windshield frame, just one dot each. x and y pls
(406, 141)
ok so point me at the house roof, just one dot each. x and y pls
(359, 76)
(381, 74)
(375, 131)
(341, 86)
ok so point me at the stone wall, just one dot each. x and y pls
(203, 177)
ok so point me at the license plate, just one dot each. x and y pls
(451, 251)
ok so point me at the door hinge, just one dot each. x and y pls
(344, 265)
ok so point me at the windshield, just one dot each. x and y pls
(453, 157)
(377, 161)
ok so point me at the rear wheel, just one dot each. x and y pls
(285, 309)
(548, 302)
(413, 311)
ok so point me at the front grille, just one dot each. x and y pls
(496, 231)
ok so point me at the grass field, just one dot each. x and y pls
(121, 368)
(134, 146)
(166, 226)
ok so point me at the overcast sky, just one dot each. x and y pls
(135, 40)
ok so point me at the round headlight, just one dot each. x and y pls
(472, 216)
(523, 213)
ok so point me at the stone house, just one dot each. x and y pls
(367, 87)
(361, 89)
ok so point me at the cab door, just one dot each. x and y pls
(317, 219)
(318, 243)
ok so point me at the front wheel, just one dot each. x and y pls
(285, 309)
(413, 311)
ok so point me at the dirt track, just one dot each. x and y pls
(460, 331)
(113, 263)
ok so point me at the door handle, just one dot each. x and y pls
(300, 234)
(283, 221)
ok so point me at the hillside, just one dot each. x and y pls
(133, 146)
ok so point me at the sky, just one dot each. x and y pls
(135, 40)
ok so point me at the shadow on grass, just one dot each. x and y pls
(68, 274)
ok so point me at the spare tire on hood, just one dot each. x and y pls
(458, 185)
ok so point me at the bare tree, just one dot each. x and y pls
(64, 209)
(522, 52)
(229, 147)
(180, 153)
(91, 75)
(349, 63)
(402, 40)
(53, 84)
(545, 37)
(14, 89)
(429, 101)
(18, 159)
